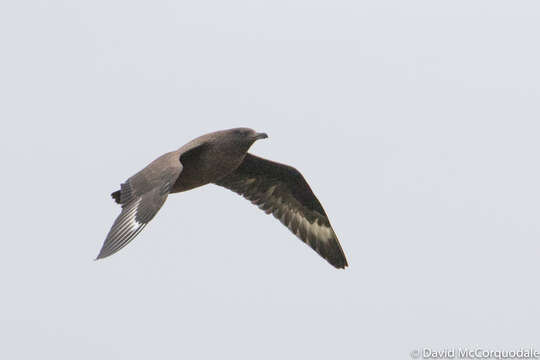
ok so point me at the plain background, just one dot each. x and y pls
(415, 122)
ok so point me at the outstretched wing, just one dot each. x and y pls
(141, 197)
(282, 191)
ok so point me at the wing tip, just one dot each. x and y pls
(334, 254)
(102, 254)
(341, 266)
(339, 262)
(99, 257)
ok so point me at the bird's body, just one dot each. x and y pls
(221, 158)
(207, 159)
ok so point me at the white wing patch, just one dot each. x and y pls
(315, 230)
(320, 232)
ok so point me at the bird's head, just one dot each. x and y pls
(235, 141)
(243, 138)
(246, 135)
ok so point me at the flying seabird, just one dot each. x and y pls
(221, 158)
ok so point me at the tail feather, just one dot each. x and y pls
(116, 196)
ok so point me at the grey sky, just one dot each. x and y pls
(415, 122)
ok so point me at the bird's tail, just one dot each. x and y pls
(116, 196)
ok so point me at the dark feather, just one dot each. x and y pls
(116, 196)
(281, 190)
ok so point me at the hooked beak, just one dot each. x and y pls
(258, 136)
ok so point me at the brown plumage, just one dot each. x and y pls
(221, 158)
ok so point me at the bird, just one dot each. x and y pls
(222, 158)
